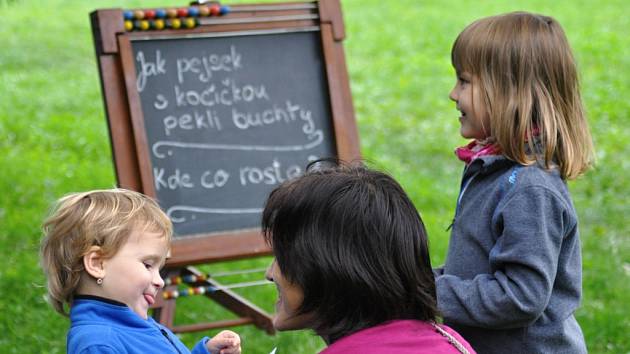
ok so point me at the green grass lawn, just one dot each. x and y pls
(54, 140)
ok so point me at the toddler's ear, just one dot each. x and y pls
(93, 262)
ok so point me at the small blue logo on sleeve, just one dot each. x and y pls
(512, 178)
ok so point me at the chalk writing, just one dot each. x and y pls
(196, 120)
(226, 93)
(203, 67)
(149, 68)
(271, 175)
(227, 119)
(172, 181)
(216, 179)
(160, 102)
(286, 113)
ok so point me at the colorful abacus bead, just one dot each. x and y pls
(182, 12)
(159, 24)
(204, 11)
(171, 13)
(193, 11)
(142, 25)
(173, 294)
(128, 15)
(160, 13)
(128, 25)
(190, 22)
(224, 10)
(149, 14)
(174, 23)
(215, 10)
(138, 14)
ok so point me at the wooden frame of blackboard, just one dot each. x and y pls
(129, 140)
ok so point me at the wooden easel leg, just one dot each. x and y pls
(164, 310)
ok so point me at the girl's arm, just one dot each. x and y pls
(524, 260)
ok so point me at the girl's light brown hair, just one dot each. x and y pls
(524, 67)
(103, 218)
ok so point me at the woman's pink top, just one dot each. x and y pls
(400, 337)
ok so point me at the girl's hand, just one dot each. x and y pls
(226, 342)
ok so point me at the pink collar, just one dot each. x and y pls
(476, 149)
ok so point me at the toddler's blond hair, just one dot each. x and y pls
(103, 218)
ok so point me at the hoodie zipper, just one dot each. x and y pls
(465, 184)
(165, 334)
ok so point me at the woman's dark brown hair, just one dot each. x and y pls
(351, 238)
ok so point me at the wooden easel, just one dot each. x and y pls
(129, 139)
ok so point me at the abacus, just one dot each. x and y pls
(194, 279)
(171, 18)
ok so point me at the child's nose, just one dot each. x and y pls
(158, 281)
(453, 94)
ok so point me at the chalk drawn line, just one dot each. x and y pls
(317, 135)
(198, 210)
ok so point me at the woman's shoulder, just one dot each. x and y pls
(400, 336)
(457, 339)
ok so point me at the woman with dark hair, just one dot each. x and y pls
(352, 263)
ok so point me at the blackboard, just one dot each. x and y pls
(228, 117)
(209, 119)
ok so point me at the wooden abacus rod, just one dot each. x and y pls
(238, 272)
(193, 278)
(200, 290)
